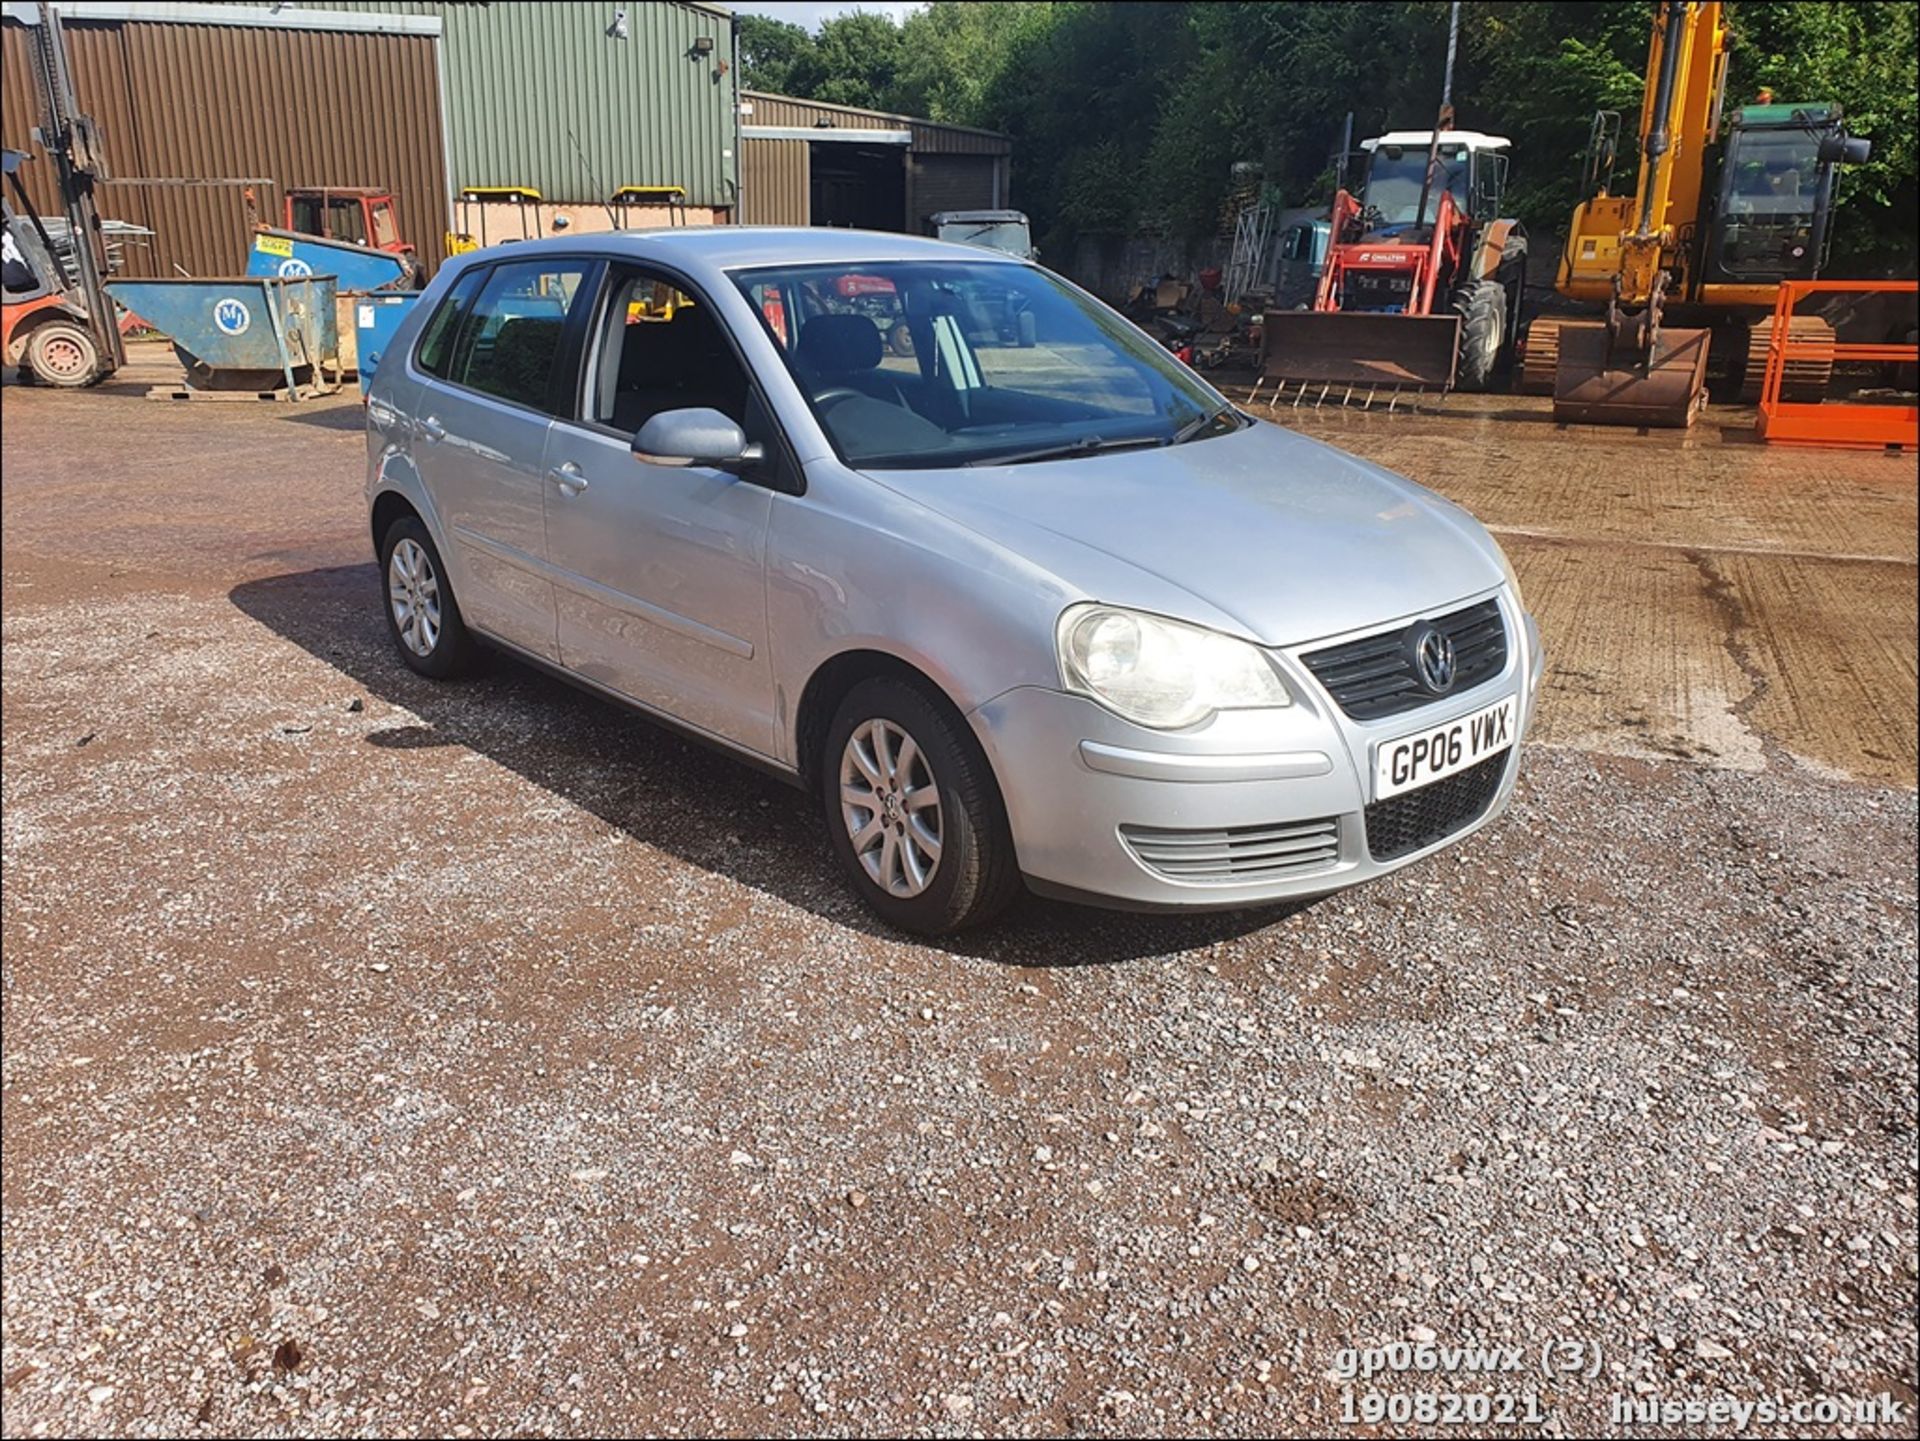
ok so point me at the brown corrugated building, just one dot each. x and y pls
(215, 96)
(808, 163)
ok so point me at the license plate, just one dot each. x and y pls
(1442, 750)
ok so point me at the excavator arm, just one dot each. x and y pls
(1632, 253)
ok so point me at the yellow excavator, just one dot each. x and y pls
(1711, 229)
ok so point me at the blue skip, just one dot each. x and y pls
(375, 318)
(258, 335)
(292, 256)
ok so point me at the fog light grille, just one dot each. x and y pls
(1237, 854)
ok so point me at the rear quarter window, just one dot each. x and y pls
(436, 341)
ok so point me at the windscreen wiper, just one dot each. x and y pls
(1191, 430)
(1086, 445)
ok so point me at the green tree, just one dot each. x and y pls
(770, 50)
(952, 52)
(1082, 97)
(854, 60)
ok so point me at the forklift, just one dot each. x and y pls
(57, 327)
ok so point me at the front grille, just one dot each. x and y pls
(1361, 290)
(1237, 853)
(1414, 820)
(1378, 676)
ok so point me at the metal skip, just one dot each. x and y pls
(1347, 347)
(1597, 383)
(242, 336)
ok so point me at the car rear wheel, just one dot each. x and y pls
(422, 615)
(913, 811)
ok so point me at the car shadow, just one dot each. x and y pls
(328, 414)
(666, 791)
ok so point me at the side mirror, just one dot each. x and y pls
(1844, 149)
(697, 436)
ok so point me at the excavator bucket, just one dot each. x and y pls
(1593, 387)
(1355, 348)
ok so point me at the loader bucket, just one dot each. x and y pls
(1666, 391)
(1360, 348)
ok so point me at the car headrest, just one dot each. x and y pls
(647, 356)
(524, 352)
(694, 327)
(839, 344)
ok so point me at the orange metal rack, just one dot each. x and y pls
(1860, 427)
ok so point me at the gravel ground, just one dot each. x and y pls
(400, 1059)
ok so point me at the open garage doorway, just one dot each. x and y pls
(863, 186)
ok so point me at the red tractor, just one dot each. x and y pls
(1423, 278)
(355, 214)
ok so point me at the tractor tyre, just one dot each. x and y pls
(1482, 308)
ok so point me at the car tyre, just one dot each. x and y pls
(913, 811)
(422, 615)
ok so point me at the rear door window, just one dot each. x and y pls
(510, 343)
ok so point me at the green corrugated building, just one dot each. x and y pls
(577, 98)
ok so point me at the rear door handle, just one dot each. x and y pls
(432, 429)
(568, 478)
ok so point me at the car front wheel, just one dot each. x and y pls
(913, 811)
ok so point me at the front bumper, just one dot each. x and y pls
(1081, 785)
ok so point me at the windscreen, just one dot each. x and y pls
(1009, 236)
(1397, 173)
(933, 364)
(1773, 184)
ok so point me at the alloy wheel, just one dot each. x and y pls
(414, 592)
(890, 802)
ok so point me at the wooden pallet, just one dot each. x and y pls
(188, 392)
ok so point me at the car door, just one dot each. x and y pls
(660, 570)
(491, 362)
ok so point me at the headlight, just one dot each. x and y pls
(1513, 580)
(1162, 673)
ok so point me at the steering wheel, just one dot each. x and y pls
(834, 394)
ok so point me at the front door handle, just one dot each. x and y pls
(432, 429)
(568, 478)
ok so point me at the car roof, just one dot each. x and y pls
(734, 247)
(960, 217)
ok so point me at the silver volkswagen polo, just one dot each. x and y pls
(945, 541)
